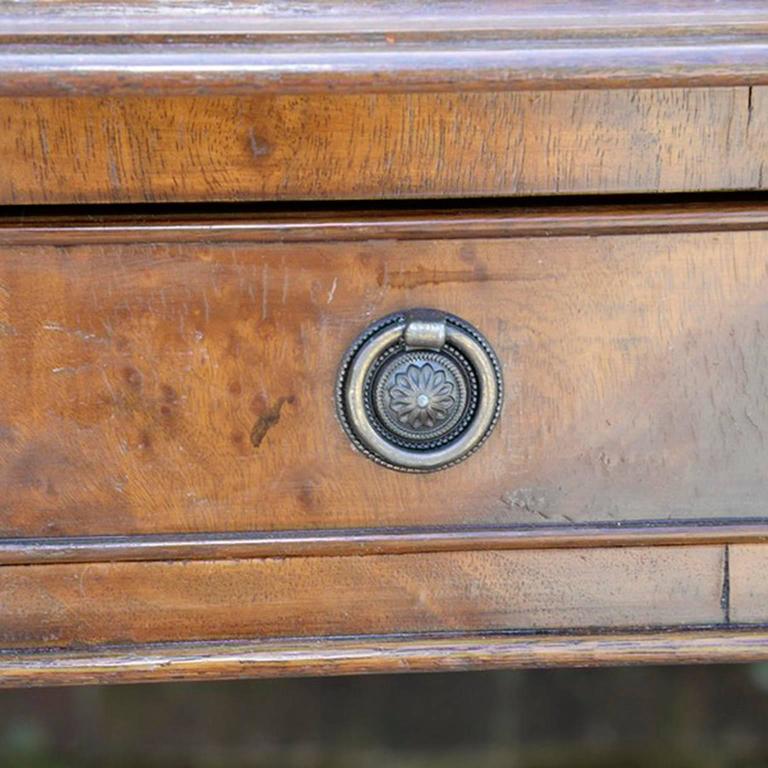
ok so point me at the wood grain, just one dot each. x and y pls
(235, 660)
(100, 150)
(172, 47)
(125, 603)
(748, 585)
(176, 497)
(134, 374)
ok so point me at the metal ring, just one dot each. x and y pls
(426, 329)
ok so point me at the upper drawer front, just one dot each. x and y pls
(181, 377)
(387, 145)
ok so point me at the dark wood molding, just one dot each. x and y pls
(74, 48)
(597, 219)
(228, 660)
(332, 543)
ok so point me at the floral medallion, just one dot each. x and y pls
(420, 395)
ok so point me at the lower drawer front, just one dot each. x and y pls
(160, 378)
(457, 592)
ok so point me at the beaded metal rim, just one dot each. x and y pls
(385, 324)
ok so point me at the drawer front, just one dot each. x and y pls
(118, 622)
(475, 591)
(179, 378)
(375, 146)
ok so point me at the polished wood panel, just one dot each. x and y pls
(136, 374)
(374, 146)
(97, 603)
(348, 45)
(236, 660)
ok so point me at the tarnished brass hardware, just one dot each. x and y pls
(419, 390)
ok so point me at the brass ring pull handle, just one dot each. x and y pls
(419, 390)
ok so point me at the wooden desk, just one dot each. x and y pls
(203, 209)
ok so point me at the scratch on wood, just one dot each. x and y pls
(71, 368)
(532, 501)
(84, 335)
(267, 420)
(284, 297)
(264, 284)
(258, 146)
(108, 384)
(332, 292)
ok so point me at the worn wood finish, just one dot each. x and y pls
(98, 603)
(585, 18)
(177, 500)
(235, 660)
(95, 150)
(747, 567)
(155, 387)
(171, 47)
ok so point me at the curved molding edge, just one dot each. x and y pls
(232, 660)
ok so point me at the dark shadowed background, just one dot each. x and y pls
(659, 716)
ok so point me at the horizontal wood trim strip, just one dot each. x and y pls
(182, 69)
(593, 220)
(448, 46)
(124, 603)
(324, 18)
(224, 660)
(320, 543)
